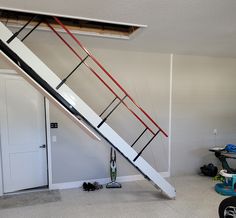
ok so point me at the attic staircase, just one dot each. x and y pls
(25, 62)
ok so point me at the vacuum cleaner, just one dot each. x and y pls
(113, 171)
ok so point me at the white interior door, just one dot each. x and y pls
(23, 139)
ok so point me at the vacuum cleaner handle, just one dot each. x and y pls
(112, 154)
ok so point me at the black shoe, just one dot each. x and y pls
(91, 187)
(85, 186)
(97, 186)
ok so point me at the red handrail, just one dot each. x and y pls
(109, 75)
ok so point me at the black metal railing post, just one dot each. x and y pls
(65, 79)
(104, 120)
(146, 145)
(18, 32)
(108, 106)
(139, 137)
(40, 21)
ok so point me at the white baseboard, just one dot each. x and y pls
(76, 184)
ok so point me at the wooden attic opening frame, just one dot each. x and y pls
(76, 25)
(120, 99)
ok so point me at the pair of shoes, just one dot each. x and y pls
(88, 186)
(97, 185)
(91, 187)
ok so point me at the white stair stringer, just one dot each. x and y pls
(26, 56)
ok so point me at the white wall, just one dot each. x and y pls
(204, 94)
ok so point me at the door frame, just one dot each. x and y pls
(47, 135)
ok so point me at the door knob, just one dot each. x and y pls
(42, 146)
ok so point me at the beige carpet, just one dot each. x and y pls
(196, 198)
(29, 199)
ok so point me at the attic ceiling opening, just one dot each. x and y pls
(83, 26)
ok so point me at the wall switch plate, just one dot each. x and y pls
(54, 138)
(54, 125)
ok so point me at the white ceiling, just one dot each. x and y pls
(196, 27)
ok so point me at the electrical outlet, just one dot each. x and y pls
(215, 131)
